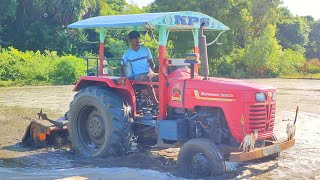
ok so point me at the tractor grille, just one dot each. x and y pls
(262, 118)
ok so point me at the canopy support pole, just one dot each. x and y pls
(195, 33)
(101, 50)
(162, 72)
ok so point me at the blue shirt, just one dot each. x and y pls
(138, 59)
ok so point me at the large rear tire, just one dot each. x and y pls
(200, 158)
(99, 123)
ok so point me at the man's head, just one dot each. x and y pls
(134, 38)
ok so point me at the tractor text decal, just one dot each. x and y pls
(211, 96)
(190, 20)
(176, 93)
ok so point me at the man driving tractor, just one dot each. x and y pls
(207, 117)
(142, 66)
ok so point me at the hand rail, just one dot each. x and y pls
(97, 62)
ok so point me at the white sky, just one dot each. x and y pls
(297, 7)
(304, 7)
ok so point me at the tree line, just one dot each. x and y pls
(265, 39)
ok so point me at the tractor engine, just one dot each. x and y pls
(206, 123)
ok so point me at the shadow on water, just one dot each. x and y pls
(256, 172)
(19, 147)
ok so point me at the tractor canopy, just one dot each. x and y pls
(175, 21)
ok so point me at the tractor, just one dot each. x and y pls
(207, 117)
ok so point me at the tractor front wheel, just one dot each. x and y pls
(99, 123)
(200, 158)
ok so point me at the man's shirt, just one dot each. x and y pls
(138, 59)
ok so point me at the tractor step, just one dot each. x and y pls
(148, 122)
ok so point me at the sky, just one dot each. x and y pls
(297, 7)
(304, 7)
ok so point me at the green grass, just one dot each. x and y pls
(23, 83)
(302, 76)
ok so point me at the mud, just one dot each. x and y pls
(18, 105)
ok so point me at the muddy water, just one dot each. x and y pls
(18, 105)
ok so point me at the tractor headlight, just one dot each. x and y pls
(261, 96)
(274, 96)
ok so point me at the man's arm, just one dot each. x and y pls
(150, 59)
(122, 70)
(151, 63)
(123, 62)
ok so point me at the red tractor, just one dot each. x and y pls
(208, 117)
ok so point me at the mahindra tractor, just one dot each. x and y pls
(212, 120)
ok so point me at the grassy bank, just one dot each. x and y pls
(35, 68)
(302, 76)
(19, 68)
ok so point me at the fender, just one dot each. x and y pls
(109, 82)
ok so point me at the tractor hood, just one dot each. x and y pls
(216, 83)
(232, 84)
(225, 89)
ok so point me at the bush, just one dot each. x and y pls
(262, 54)
(32, 68)
(310, 67)
(290, 62)
(231, 65)
(67, 70)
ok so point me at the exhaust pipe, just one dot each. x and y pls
(203, 53)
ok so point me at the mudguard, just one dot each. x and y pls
(122, 85)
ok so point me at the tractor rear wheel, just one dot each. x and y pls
(99, 123)
(200, 158)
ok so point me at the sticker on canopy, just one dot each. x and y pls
(188, 20)
(168, 20)
(176, 93)
(181, 20)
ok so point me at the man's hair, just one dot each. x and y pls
(133, 34)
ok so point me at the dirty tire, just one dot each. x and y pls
(99, 123)
(196, 150)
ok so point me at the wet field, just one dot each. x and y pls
(19, 104)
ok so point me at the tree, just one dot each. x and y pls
(293, 32)
(313, 47)
(246, 19)
(262, 53)
(264, 12)
(7, 9)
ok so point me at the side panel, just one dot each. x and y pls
(173, 130)
(125, 90)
